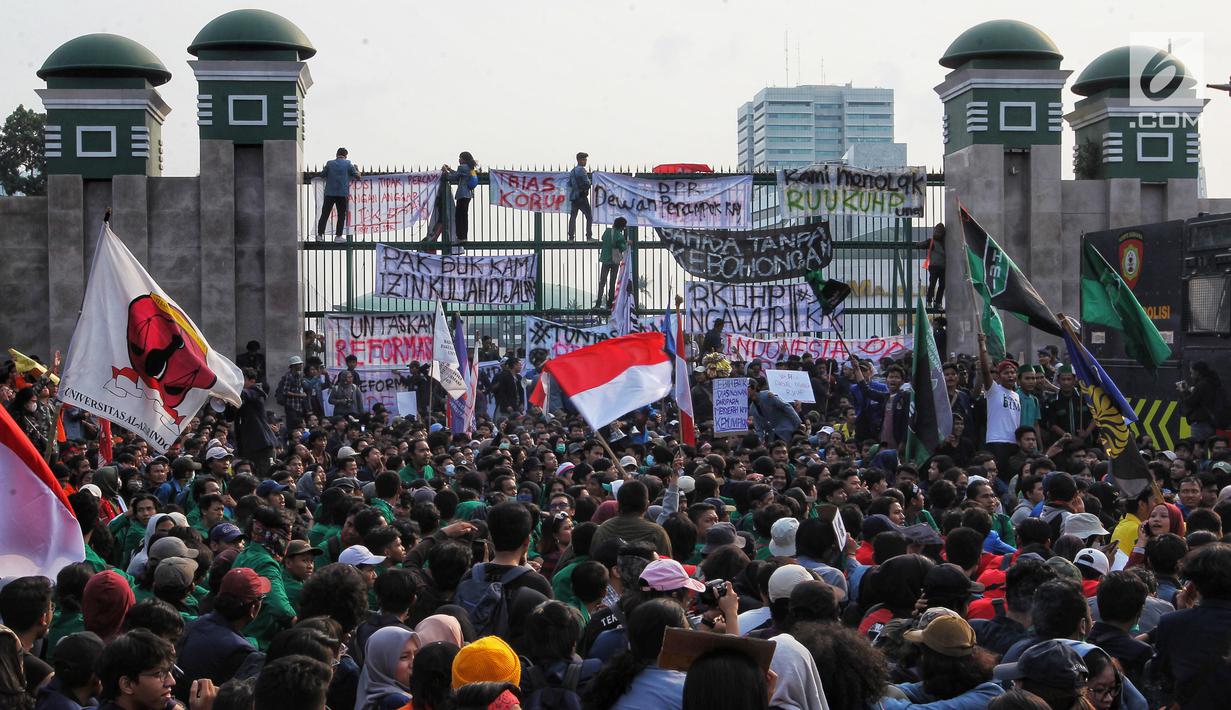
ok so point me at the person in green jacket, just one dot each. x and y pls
(269, 538)
(297, 566)
(610, 255)
(420, 464)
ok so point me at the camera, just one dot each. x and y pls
(715, 589)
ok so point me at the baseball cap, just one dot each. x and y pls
(490, 659)
(1007, 362)
(874, 525)
(169, 547)
(784, 580)
(827, 430)
(922, 534)
(344, 482)
(93, 490)
(718, 535)
(687, 484)
(945, 579)
(185, 463)
(79, 651)
(1222, 466)
(667, 576)
(1083, 525)
(216, 453)
(1064, 568)
(426, 494)
(301, 547)
(345, 452)
(270, 486)
(359, 555)
(782, 537)
(1052, 663)
(948, 635)
(628, 461)
(295, 360)
(1171, 455)
(564, 468)
(1093, 559)
(244, 584)
(175, 571)
(225, 532)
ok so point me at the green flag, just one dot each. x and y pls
(1107, 300)
(1001, 283)
(989, 318)
(931, 417)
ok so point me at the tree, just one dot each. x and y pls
(22, 163)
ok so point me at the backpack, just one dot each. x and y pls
(487, 603)
(473, 181)
(542, 695)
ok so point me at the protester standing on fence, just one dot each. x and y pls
(609, 257)
(466, 177)
(935, 264)
(579, 197)
(338, 174)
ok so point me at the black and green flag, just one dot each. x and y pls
(1001, 284)
(1107, 300)
(931, 417)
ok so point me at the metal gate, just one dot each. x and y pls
(879, 257)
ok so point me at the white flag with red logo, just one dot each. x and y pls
(38, 532)
(136, 357)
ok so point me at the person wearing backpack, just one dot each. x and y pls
(1204, 403)
(485, 592)
(466, 177)
(555, 675)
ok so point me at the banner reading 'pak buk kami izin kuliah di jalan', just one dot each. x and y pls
(529, 191)
(475, 280)
(833, 188)
(696, 203)
(384, 203)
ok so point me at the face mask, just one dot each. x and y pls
(504, 446)
(449, 469)
(560, 448)
(649, 459)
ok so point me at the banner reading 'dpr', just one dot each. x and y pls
(475, 280)
(753, 256)
(698, 203)
(774, 308)
(384, 203)
(833, 188)
(529, 191)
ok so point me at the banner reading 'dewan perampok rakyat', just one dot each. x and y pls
(833, 188)
(742, 348)
(753, 256)
(384, 203)
(697, 203)
(475, 280)
(530, 191)
(378, 339)
(773, 308)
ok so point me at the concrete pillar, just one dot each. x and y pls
(1181, 200)
(1123, 202)
(283, 309)
(974, 175)
(1050, 256)
(249, 314)
(217, 220)
(23, 270)
(130, 215)
(66, 258)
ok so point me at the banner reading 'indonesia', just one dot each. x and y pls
(698, 203)
(475, 280)
(530, 191)
(385, 203)
(833, 188)
(753, 256)
(742, 348)
(774, 308)
(378, 340)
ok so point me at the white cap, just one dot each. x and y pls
(827, 430)
(345, 452)
(628, 461)
(1083, 525)
(93, 490)
(359, 555)
(785, 579)
(215, 453)
(687, 484)
(782, 537)
(1092, 558)
(295, 360)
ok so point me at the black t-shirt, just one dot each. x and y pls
(602, 619)
(37, 671)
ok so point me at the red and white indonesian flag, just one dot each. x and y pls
(136, 357)
(683, 394)
(610, 378)
(38, 532)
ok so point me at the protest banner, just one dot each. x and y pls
(558, 339)
(833, 188)
(408, 404)
(753, 256)
(730, 405)
(778, 309)
(474, 280)
(529, 191)
(718, 202)
(376, 385)
(790, 385)
(742, 348)
(382, 203)
(378, 340)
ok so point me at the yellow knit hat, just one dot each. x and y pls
(488, 659)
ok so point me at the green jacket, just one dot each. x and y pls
(63, 625)
(100, 565)
(320, 531)
(1003, 525)
(277, 612)
(293, 586)
(386, 511)
(562, 584)
(409, 475)
(614, 240)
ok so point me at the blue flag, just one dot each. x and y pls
(457, 414)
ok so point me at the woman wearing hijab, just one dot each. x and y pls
(137, 566)
(440, 627)
(104, 603)
(110, 505)
(385, 679)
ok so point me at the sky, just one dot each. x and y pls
(527, 83)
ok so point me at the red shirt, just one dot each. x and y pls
(1089, 587)
(863, 554)
(981, 609)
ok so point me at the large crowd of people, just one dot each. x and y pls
(280, 559)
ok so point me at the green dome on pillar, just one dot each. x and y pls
(104, 56)
(1113, 70)
(245, 34)
(996, 41)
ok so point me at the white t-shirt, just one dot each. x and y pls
(1004, 414)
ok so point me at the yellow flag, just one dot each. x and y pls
(27, 364)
